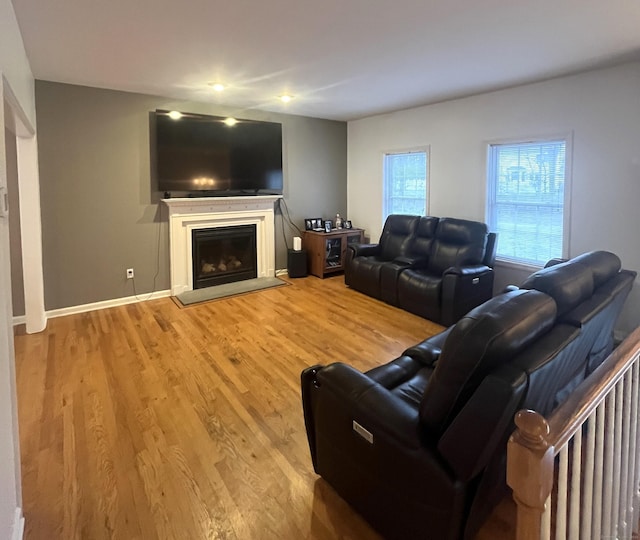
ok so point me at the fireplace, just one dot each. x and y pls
(189, 214)
(223, 255)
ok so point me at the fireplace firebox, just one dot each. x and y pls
(223, 255)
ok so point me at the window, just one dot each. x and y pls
(526, 204)
(405, 183)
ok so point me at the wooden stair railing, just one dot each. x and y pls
(576, 475)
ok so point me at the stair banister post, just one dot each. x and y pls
(530, 471)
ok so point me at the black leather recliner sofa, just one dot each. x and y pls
(418, 445)
(438, 268)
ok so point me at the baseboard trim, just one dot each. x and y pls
(73, 310)
(20, 319)
(18, 525)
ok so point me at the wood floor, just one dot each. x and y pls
(154, 421)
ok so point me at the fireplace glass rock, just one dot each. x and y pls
(224, 255)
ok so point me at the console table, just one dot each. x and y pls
(326, 251)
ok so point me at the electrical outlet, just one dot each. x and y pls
(129, 273)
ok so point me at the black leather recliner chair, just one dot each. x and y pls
(406, 443)
(438, 268)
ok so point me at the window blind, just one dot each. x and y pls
(405, 182)
(526, 199)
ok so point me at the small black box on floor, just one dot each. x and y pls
(297, 263)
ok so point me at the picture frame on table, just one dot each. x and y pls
(313, 224)
(328, 225)
(347, 224)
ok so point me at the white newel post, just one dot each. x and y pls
(189, 214)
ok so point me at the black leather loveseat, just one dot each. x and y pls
(417, 446)
(438, 268)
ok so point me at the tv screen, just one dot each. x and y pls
(203, 153)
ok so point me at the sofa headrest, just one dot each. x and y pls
(603, 264)
(425, 234)
(458, 242)
(427, 226)
(568, 283)
(484, 339)
(401, 224)
(461, 231)
(397, 235)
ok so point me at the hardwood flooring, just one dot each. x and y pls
(151, 421)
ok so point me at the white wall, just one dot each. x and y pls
(18, 87)
(602, 110)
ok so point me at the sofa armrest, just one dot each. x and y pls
(475, 270)
(463, 289)
(411, 262)
(364, 250)
(510, 288)
(554, 261)
(352, 252)
(370, 448)
(424, 352)
(368, 403)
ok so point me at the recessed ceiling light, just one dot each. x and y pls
(286, 98)
(175, 115)
(218, 87)
(230, 121)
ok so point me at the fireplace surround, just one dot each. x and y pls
(190, 214)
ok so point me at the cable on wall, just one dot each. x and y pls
(155, 277)
(282, 203)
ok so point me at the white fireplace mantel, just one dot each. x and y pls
(189, 214)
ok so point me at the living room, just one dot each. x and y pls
(99, 214)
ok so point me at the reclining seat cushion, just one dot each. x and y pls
(412, 390)
(395, 372)
(410, 362)
(420, 292)
(407, 376)
(364, 274)
(569, 284)
(483, 340)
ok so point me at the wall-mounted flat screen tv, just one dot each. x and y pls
(211, 154)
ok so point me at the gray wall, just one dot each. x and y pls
(99, 213)
(17, 282)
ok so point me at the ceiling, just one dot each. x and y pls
(340, 59)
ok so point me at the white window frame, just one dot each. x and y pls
(567, 137)
(413, 150)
